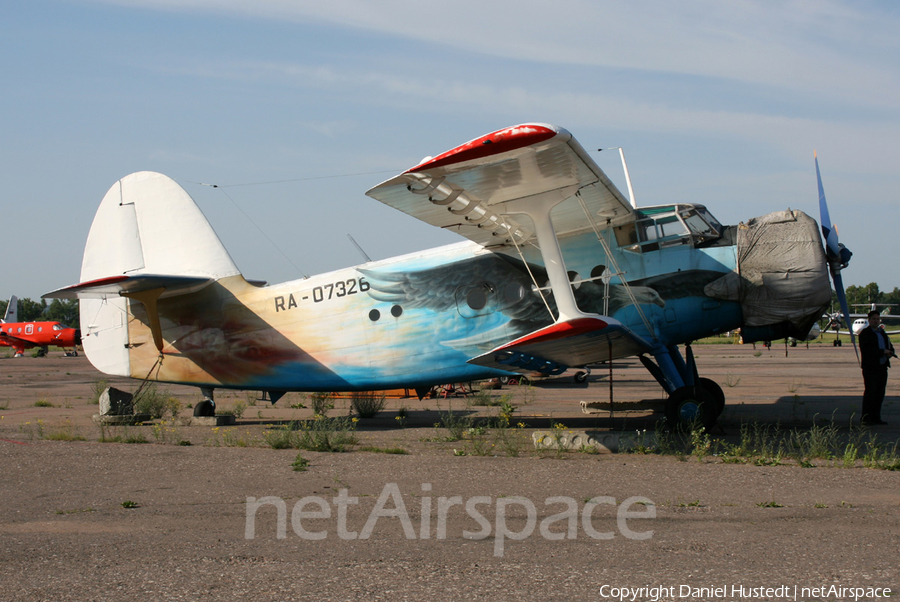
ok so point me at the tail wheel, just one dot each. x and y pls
(205, 408)
(581, 376)
(690, 405)
(715, 390)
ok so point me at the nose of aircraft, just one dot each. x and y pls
(782, 277)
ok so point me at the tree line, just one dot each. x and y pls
(868, 294)
(66, 312)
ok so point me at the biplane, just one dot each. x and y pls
(559, 270)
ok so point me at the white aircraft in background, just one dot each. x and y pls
(861, 322)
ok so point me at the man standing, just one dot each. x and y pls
(876, 351)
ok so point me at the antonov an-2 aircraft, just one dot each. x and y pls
(559, 271)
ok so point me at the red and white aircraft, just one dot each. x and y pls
(25, 335)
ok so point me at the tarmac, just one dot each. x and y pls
(229, 518)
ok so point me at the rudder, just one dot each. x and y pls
(146, 224)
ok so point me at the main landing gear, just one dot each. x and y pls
(691, 399)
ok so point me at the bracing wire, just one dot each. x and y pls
(615, 265)
(255, 225)
(533, 279)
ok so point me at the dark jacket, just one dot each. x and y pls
(871, 353)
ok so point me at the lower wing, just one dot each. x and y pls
(571, 343)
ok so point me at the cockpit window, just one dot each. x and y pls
(57, 326)
(672, 225)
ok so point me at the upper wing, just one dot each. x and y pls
(465, 188)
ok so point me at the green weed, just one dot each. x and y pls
(300, 464)
(367, 404)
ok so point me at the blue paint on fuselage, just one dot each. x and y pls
(439, 331)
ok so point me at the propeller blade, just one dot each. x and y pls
(837, 254)
(842, 298)
(828, 231)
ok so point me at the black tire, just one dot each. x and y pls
(504, 380)
(205, 408)
(718, 394)
(581, 377)
(689, 405)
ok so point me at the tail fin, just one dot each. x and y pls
(148, 224)
(12, 310)
(148, 239)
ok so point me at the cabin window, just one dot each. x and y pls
(476, 299)
(625, 235)
(513, 292)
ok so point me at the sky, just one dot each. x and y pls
(294, 109)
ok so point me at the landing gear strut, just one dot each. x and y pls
(691, 398)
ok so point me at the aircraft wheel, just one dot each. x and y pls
(504, 380)
(689, 405)
(207, 407)
(581, 376)
(718, 394)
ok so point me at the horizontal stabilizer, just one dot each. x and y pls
(114, 286)
(577, 342)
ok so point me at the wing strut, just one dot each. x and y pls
(538, 208)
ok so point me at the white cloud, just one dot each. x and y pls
(841, 49)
